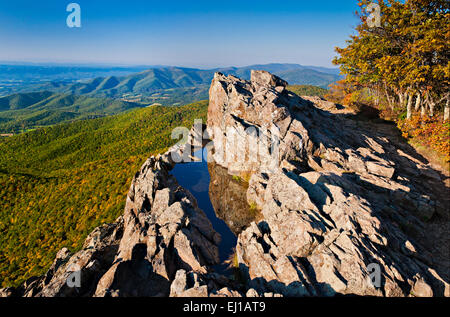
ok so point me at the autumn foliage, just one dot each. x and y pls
(430, 131)
(58, 183)
(402, 59)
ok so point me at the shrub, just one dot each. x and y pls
(429, 130)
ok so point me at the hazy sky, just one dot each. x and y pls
(182, 33)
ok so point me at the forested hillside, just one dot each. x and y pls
(308, 90)
(23, 111)
(58, 183)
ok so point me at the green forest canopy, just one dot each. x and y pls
(24, 111)
(58, 183)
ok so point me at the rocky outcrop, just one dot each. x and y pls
(164, 231)
(343, 208)
(161, 231)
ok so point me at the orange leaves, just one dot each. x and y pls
(429, 130)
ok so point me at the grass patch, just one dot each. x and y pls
(243, 177)
(236, 178)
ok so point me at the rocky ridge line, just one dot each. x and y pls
(344, 198)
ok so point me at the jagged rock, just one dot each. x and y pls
(180, 288)
(174, 234)
(263, 78)
(191, 284)
(380, 169)
(323, 230)
(323, 104)
(421, 289)
(7, 292)
(264, 265)
(256, 188)
(252, 293)
(236, 105)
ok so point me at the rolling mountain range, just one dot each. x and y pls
(52, 102)
(15, 77)
(172, 85)
(23, 111)
(156, 79)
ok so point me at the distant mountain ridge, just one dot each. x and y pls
(158, 79)
(27, 72)
(178, 77)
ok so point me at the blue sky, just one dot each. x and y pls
(183, 33)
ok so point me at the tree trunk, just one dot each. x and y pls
(422, 111)
(418, 101)
(401, 99)
(409, 107)
(426, 105)
(388, 97)
(447, 110)
(377, 96)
